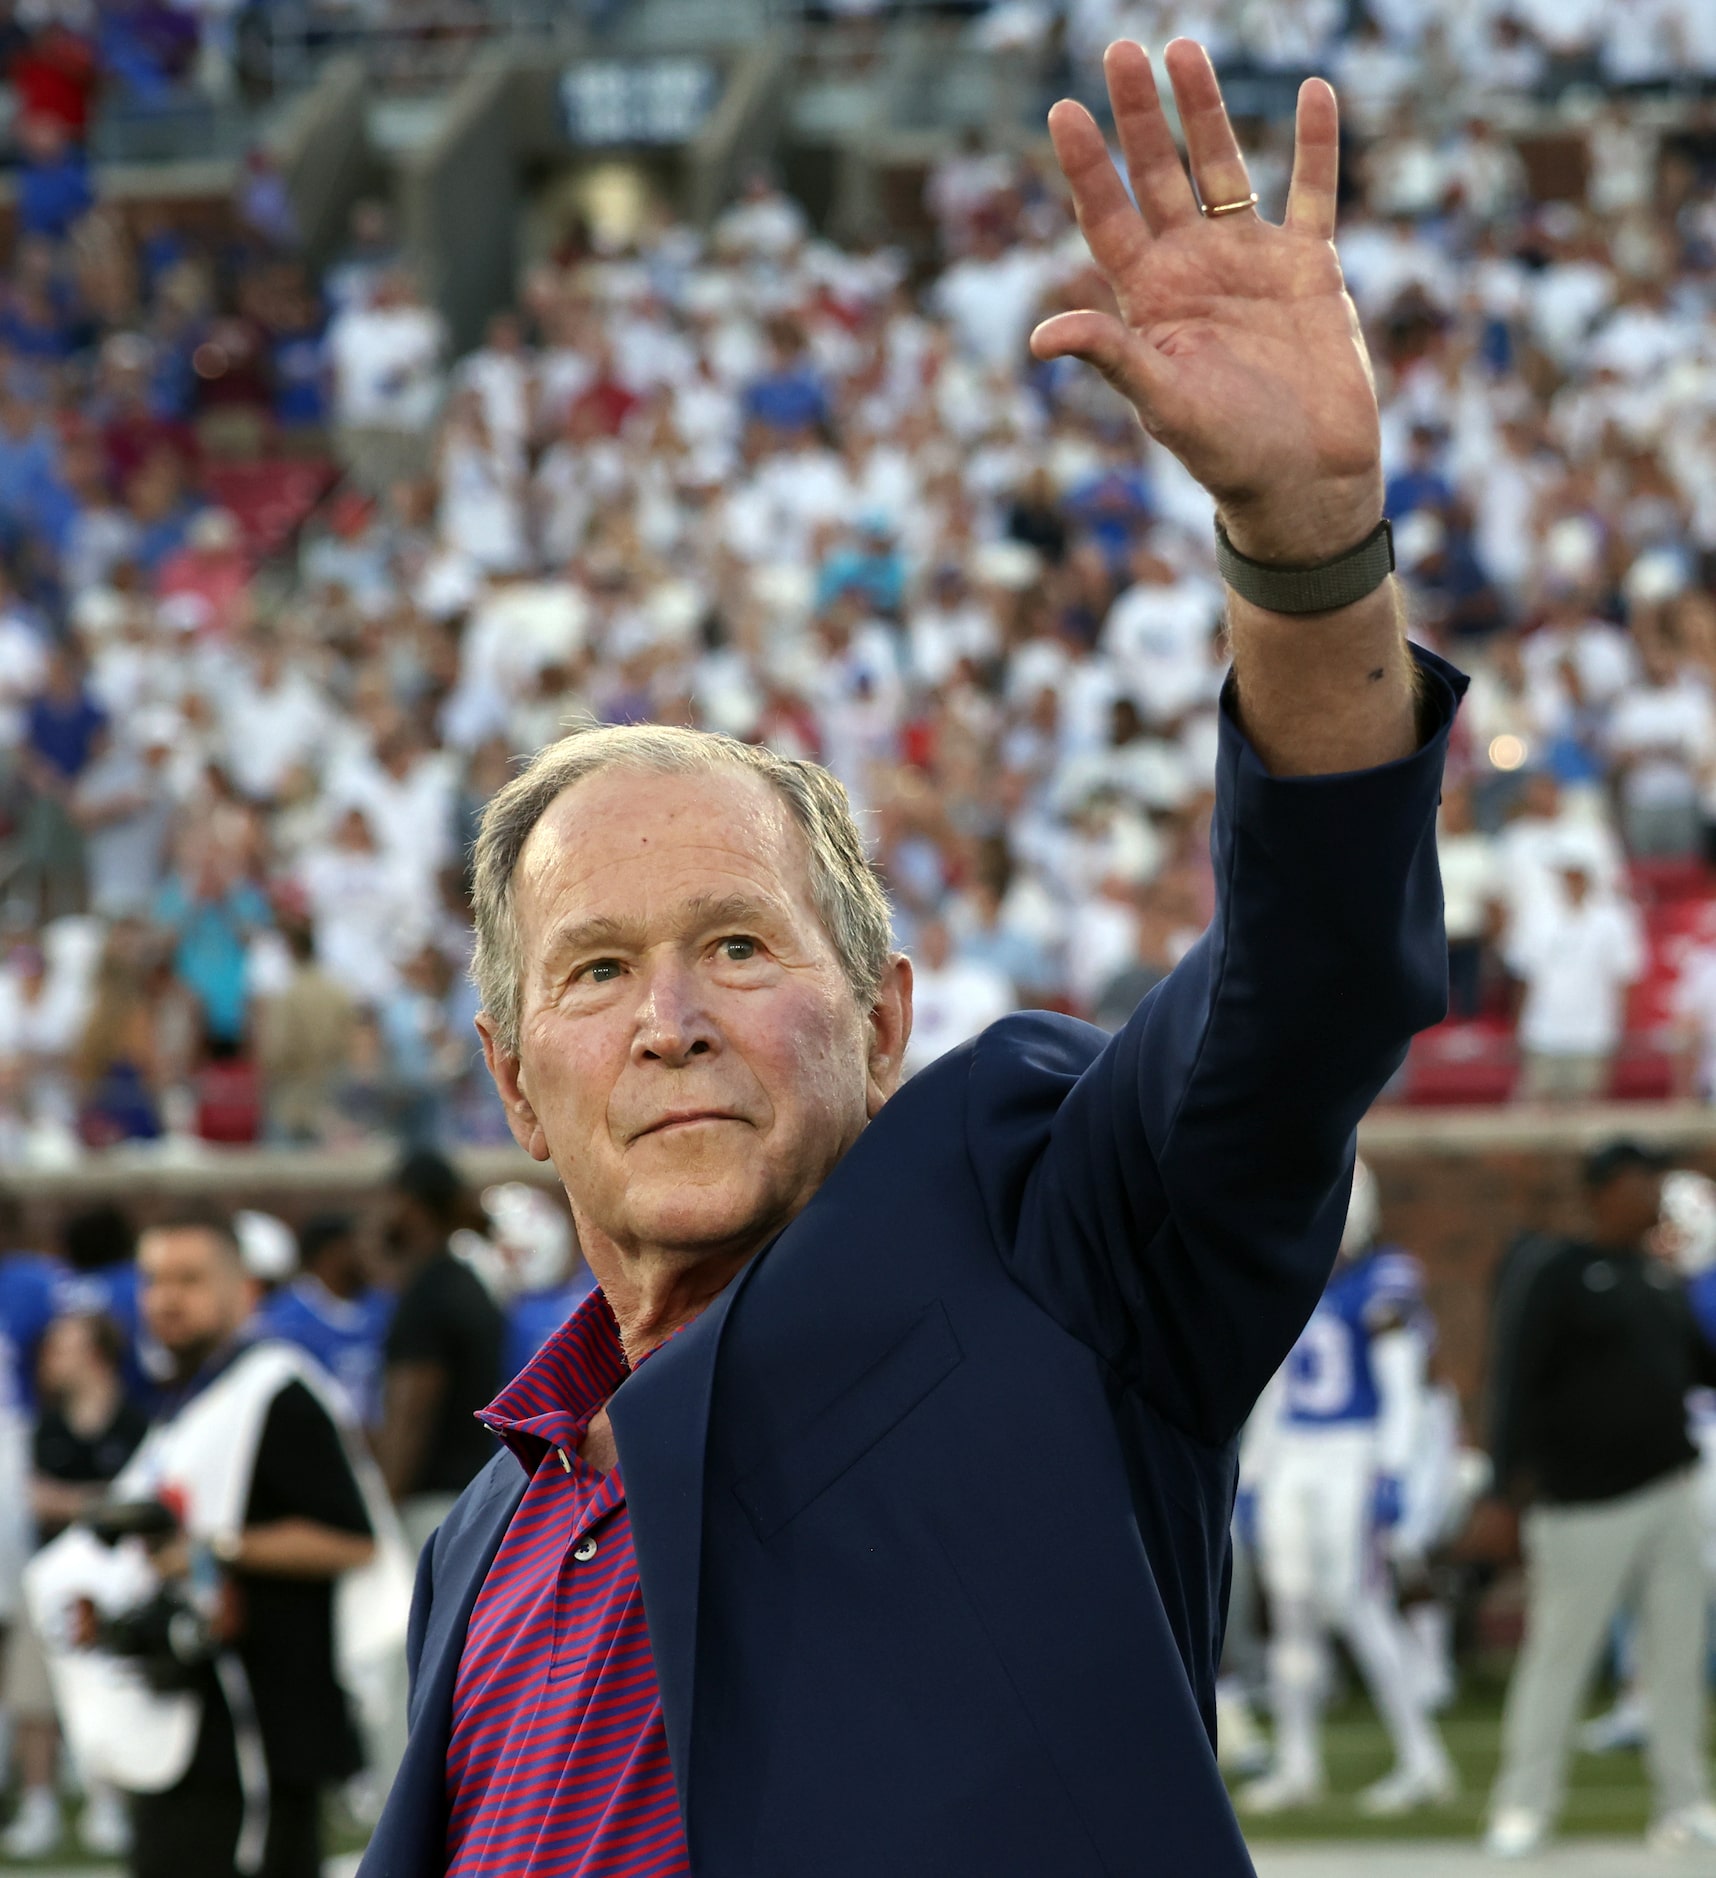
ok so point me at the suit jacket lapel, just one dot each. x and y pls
(459, 1574)
(660, 1417)
(409, 1839)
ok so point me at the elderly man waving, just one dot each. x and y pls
(872, 1516)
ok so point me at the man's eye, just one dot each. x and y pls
(738, 949)
(603, 971)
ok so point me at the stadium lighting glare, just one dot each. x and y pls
(1509, 752)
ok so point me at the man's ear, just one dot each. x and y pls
(890, 1031)
(504, 1068)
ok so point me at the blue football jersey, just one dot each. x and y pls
(344, 1335)
(535, 1316)
(1328, 1376)
(28, 1281)
(111, 1291)
(1701, 1295)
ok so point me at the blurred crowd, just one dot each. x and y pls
(413, 1312)
(820, 496)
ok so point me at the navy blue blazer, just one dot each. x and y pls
(932, 1504)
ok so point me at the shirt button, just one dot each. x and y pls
(565, 1459)
(584, 1550)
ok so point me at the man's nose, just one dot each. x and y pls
(674, 1022)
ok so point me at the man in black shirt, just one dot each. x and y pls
(443, 1359)
(1596, 1349)
(304, 1525)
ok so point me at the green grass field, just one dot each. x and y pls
(1607, 1794)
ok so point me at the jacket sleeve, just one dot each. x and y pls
(1183, 1211)
(417, 1627)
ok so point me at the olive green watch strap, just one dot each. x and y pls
(1319, 588)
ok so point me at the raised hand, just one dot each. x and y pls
(1236, 343)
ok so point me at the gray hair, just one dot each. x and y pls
(844, 885)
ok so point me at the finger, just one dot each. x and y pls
(1112, 226)
(1152, 157)
(1218, 169)
(1131, 365)
(1316, 161)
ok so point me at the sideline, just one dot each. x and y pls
(1571, 1858)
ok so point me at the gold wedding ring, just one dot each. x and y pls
(1213, 209)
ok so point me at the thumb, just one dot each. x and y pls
(1131, 365)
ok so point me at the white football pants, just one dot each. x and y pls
(1324, 1575)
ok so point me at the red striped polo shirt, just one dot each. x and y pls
(557, 1761)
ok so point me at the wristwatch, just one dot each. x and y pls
(1319, 588)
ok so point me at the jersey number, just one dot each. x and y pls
(1320, 1370)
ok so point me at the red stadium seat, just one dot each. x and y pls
(1663, 882)
(271, 499)
(1643, 1072)
(229, 1102)
(1457, 1064)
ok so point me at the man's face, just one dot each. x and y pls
(691, 1056)
(193, 1293)
(1628, 1205)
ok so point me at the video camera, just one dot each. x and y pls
(174, 1632)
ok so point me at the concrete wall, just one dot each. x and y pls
(1457, 1188)
(458, 201)
(322, 146)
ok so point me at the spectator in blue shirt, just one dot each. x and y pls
(534, 1316)
(212, 919)
(1420, 484)
(54, 189)
(333, 1311)
(28, 1283)
(160, 507)
(64, 726)
(298, 348)
(869, 563)
(28, 457)
(97, 1277)
(40, 318)
(790, 396)
(1113, 506)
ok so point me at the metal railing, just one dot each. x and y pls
(406, 45)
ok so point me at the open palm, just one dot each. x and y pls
(1236, 341)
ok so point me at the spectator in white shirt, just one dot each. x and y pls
(387, 380)
(275, 719)
(1662, 738)
(952, 998)
(1544, 829)
(503, 375)
(1158, 636)
(482, 514)
(125, 805)
(364, 906)
(1471, 890)
(764, 223)
(992, 297)
(406, 795)
(1576, 958)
